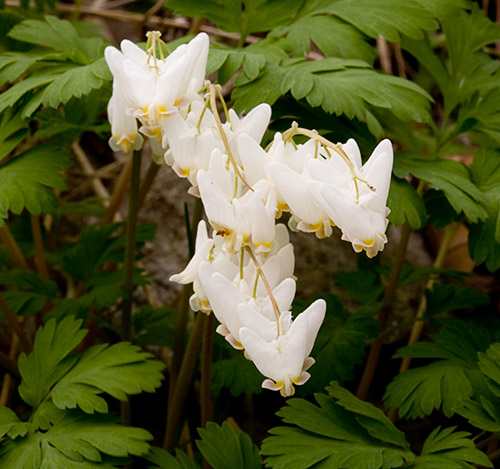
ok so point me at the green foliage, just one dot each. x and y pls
(406, 205)
(12, 132)
(70, 380)
(340, 344)
(342, 40)
(243, 16)
(484, 239)
(455, 376)
(164, 460)
(342, 432)
(66, 66)
(223, 448)
(237, 374)
(448, 176)
(27, 180)
(339, 86)
(54, 382)
(448, 449)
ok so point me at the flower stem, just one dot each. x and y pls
(213, 105)
(260, 273)
(128, 267)
(206, 371)
(119, 191)
(147, 181)
(176, 407)
(390, 292)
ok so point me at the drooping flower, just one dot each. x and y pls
(284, 360)
(151, 87)
(356, 203)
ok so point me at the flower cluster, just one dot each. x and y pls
(243, 269)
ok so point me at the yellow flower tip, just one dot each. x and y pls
(368, 242)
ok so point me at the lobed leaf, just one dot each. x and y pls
(118, 370)
(26, 181)
(49, 360)
(444, 383)
(449, 176)
(406, 205)
(223, 448)
(451, 450)
(329, 436)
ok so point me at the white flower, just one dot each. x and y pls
(152, 88)
(124, 133)
(285, 359)
(356, 205)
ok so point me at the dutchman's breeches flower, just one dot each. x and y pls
(153, 87)
(285, 359)
(356, 203)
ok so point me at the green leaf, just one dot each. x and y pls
(14, 64)
(388, 18)
(444, 298)
(341, 39)
(155, 326)
(339, 86)
(224, 449)
(449, 176)
(164, 460)
(75, 441)
(49, 360)
(484, 238)
(243, 16)
(453, 377)
(237, 374)
(340, 345)
(405, 204)
(12, 131)
(330, 436)
(54, 33)
(451, 450)
(75, 82)
(10, 424)
(26, 181)
(118, 370)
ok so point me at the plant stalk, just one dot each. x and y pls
(120, 189)
(128, 282)
(206, 370)
(147, 181)
(389, 295)
(176, 407)
(15, 325)
(41, 264)
(12, 247)
(418, 325)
